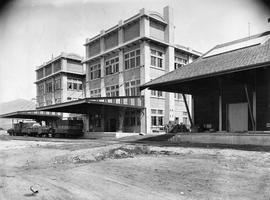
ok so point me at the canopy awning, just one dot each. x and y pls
(32, 114)
(84, 106)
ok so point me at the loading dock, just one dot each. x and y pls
(230, 86)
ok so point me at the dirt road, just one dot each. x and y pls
(95, 169)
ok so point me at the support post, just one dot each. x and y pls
(254, 108)
(189, 116)
(121, 119)
(220, 106)
(220, 112)
(254, 102)
(249, 108)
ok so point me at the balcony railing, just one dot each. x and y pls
(121, 100)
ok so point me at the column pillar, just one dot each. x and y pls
(220, 112)
(121, 119)
(121, 74)
(120, 33)
(145, 77)
(64, 88)
(169, 30)
(87, 81)
(144, 24)
(169, 97)
(102, 71)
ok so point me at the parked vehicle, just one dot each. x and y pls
(60, 128)
(19, 128)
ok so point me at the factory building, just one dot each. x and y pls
(119, 60)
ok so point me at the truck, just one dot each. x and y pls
(57, 128)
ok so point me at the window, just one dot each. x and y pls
(153, 111)
(95, 93)
(57, 84)
(80, 86)
(132, 59)
(132, 118)
(178, 96)
(112, 91)
(156, 93)
(184, 120)
(157, 118)
(49, 88)
(156, 58)
(154, 121)
(95, 120)
(180, 61)
(95, 71)
(132, 88)
(69, 86)
(112, 66)
(41, 89)
(160, 121)
(153, 92)
(74, 84)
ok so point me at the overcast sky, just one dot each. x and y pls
(32, 30)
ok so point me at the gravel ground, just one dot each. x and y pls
(97, 169)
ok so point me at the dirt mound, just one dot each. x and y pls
(127, 151)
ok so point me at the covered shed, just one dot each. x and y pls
(105, 114)
(230, 86)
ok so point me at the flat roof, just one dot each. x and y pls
(32, 114)
(71, 56)
(84, 106)
(237, 59)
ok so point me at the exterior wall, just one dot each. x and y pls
(111, 40)
(93, 48)
(74, 66)
(131, 31)
(157, 30)
(48, 70)
(57, 66)
(40, 73)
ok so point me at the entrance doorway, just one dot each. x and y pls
(238, 117)
(112, 125)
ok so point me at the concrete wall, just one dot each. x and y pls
(157, 30)
(230, 139)
(93, 48)
(111, 40)
(131, 31)
(74, 66)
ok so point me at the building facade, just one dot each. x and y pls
(60, 80)
(132, 53)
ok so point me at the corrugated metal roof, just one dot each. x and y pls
(234, 60)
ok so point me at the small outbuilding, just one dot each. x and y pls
(230, 86)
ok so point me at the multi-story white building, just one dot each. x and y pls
(132, 53)
(59, 80)
(117, 62)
